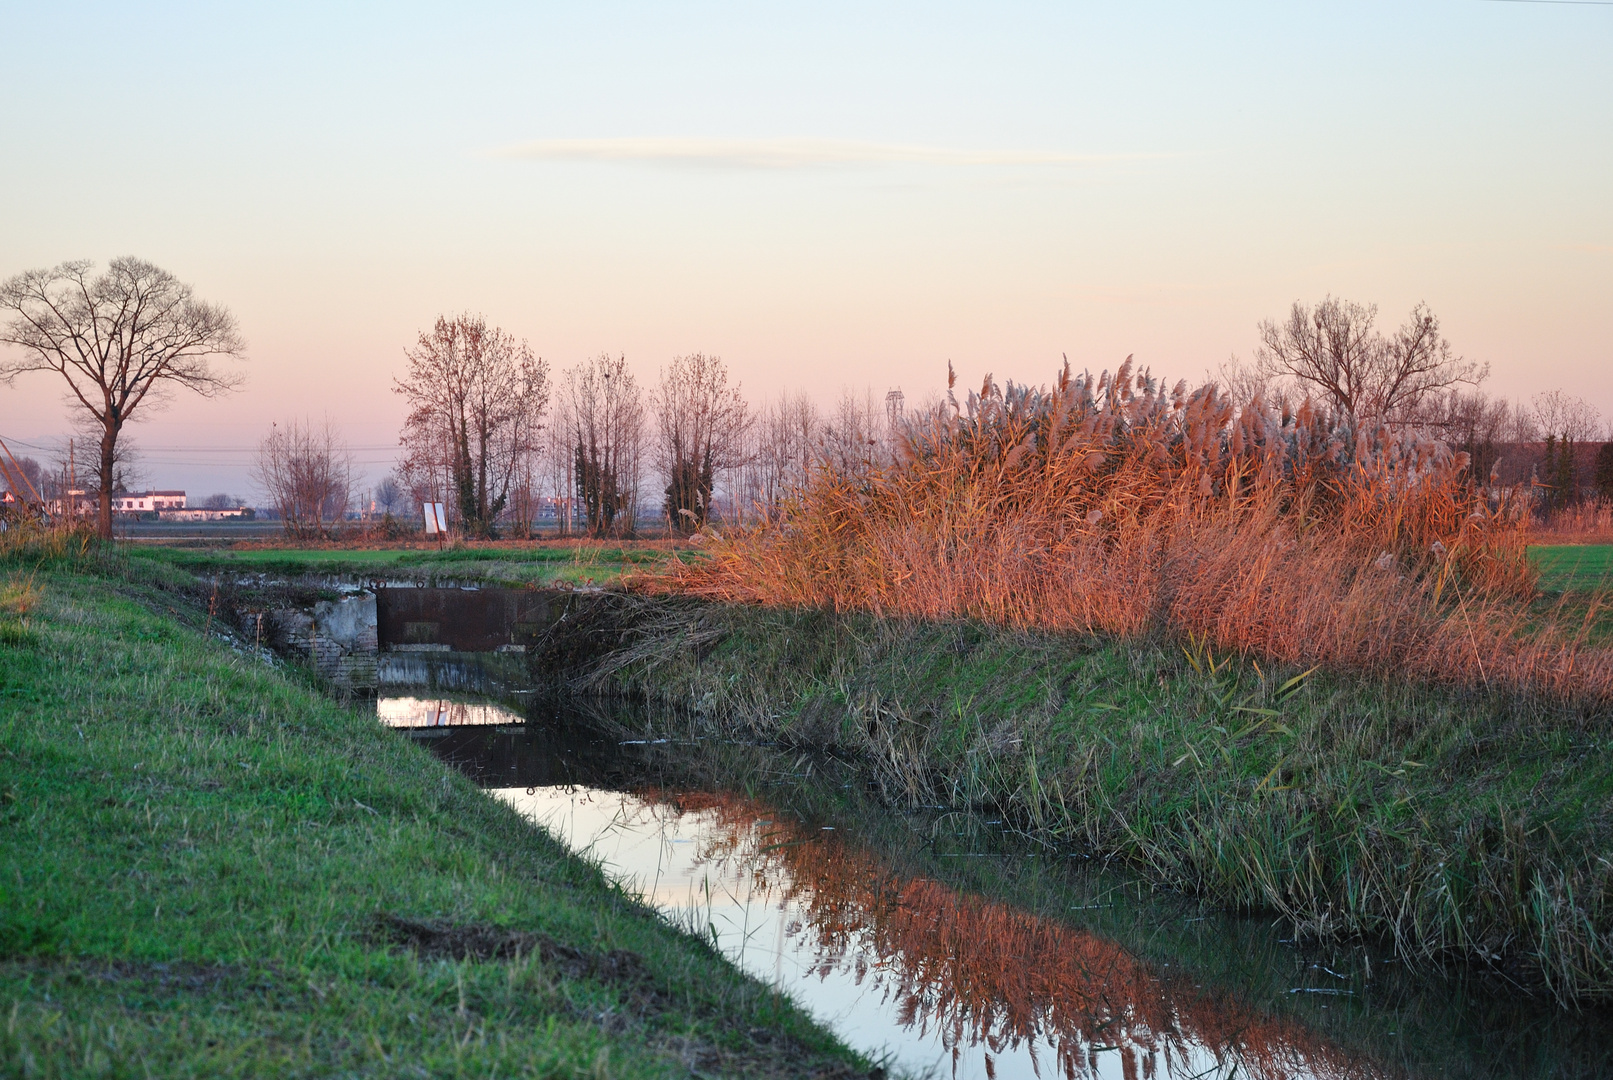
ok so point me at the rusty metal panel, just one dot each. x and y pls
(463, 620)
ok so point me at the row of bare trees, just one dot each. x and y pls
(488, 435)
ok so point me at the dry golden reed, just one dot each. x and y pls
(1112, 504)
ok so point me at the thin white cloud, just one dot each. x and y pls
(784, 153)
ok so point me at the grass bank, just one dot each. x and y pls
(208, 868)
(1452, 823)
(545, 563)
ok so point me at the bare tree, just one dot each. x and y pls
(307, 472)
(701, 421)
(1243, 382)
(560, 464)
(1566, 422)
(1569, 418)
(783, 448)
(856, 438)
(477, 398)
(1471, 422)
(1337, 352)
(606, 418)
(389, 494)
(120, 340)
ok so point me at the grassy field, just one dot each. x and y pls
(1452, 823)
(547, 563)
(1574, 567)
(208, 868)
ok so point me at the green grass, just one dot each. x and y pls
(195, 851)
(539, 564)
(1574, 567)
(1452, 823)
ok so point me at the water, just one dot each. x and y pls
(947, 947)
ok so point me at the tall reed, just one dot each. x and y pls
(1113, 504)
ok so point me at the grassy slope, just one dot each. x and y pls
(194, 852)
(539, 564)
(1450, 822)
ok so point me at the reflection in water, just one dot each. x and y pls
(939, 980)
(909, 966)
(894, 955)
(413, 712)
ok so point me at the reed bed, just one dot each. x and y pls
(1101, 607)
(1112, 504)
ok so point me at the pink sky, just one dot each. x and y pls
(825, 197)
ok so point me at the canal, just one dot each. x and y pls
(944, 943)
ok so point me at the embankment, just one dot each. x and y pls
(1469, 825)
(209, 868)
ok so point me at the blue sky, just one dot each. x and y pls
(827, 196)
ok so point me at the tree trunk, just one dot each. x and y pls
(103, 514)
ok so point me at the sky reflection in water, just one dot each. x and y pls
(942, 981)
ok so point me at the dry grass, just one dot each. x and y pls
(19, 596)
(1587, 523)
(1113, 505)
(26, 540)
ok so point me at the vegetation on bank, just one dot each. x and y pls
(209, 868)
(1119, 506)
(541, 564)
(1408, 1020)
(1451, 822)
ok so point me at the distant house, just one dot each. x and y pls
(126, 502)
(73, 501)
(224, 513)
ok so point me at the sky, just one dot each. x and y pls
(827, 196)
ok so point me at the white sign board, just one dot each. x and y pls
(436, 516)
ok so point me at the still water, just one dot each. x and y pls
(937, 943)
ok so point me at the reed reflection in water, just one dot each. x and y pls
(942, 981)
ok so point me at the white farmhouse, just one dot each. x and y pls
(127, 502)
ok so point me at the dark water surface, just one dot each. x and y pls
(954, 948)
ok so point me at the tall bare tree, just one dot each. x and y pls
(307, 472)
(1337, 352)
(120, 339)
(783, 443)
(856, 438)
(477, 398)
(701, 423)
(605, 412)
